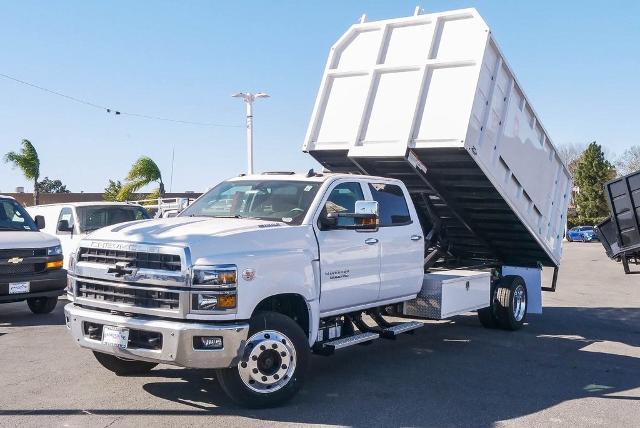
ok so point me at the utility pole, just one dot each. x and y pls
(248, 99)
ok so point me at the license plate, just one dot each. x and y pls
(115, 336)
(18, 287)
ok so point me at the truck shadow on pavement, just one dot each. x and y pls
(452, 374)
(446, 374)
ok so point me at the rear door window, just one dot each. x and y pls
(393, 207)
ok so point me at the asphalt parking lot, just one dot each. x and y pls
(576, 365)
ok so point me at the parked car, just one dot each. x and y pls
(30, 260)
(582, 234)
(73, 221)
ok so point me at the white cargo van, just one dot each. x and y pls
(30, 260)
(71, 222)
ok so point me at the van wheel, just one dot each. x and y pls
(42, 305)
(511, 302)
(121, 366)
(273, 366)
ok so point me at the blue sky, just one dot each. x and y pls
(578, 61)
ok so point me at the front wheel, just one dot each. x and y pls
(273, 366)
(42, 305)
(121, 366)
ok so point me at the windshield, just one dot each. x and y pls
(14, 217)
(285, 201)
(92, 218)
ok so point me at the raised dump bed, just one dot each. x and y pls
(620, 233)
(430, 99)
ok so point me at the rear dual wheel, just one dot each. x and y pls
(508, 308)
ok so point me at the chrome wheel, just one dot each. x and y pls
(269, 361)
(519, 303)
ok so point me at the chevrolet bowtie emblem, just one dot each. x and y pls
(15, 260)
(120, 269)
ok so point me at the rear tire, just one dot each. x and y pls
(273, 367)
(122, 367)
(487, 317)
(511, 302)
(42, 305)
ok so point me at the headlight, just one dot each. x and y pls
(214, 288)
(221, 276)
(54, 251)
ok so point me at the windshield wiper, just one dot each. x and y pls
(13, 228)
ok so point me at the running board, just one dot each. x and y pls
(327, 348)
(406, 327)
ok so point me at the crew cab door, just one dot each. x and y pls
(349, 259)
(401, 241)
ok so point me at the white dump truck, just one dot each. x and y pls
(445, 196)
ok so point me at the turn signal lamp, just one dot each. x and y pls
(54, 265)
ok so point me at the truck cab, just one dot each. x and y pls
(30, 260)
(187, 290)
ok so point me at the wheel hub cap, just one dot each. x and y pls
(519, 303)
(268, 363)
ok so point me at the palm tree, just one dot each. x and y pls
(143, 172)
(27, 160)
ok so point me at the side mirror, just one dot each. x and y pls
(365, 217)
(64, 226)
(39, 222)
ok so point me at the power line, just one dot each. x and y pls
(116, 112)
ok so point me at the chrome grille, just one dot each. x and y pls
(22, 252)
(134, 259)
(136, 297)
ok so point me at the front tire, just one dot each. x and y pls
(42, 305)
(273, 367)
(122, 367)
(511, 302)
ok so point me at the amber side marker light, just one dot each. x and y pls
(54, 265)
(226, 301)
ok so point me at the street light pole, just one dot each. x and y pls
(248, 99)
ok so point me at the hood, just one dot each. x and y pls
(26, 239)
(180, 230)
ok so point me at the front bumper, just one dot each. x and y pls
(177, 338)
(47, 284)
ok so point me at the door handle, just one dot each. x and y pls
(371, 241)
(416, 237)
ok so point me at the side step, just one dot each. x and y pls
(329, 347)
(406, 327)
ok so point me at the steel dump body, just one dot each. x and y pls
(430, 100)
(620, 234)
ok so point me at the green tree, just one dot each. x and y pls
(592, 171)
(143, 172)
(47, 185)
(112, 191)
(29, 163)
